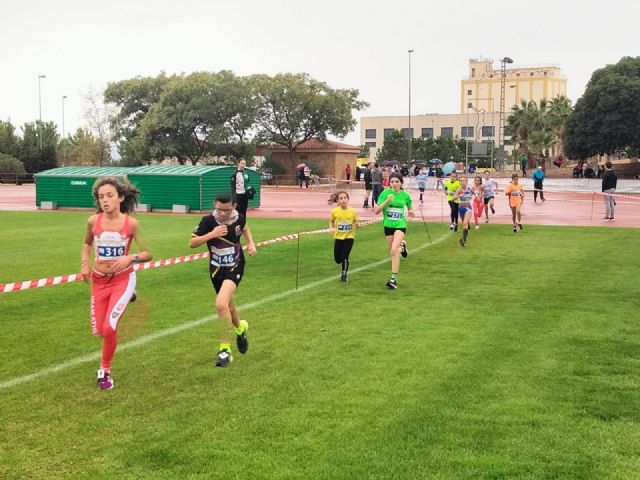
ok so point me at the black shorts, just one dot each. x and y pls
(486, 200)
(221, 274)
(368, 186)
(389, 231)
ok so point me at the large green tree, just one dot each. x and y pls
(9, 141)
(37, 149)
(445, 148)
(293, 108)
(606, 119)
(133, 99)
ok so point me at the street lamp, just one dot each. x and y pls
(503, 76)
(410, 135)
(40, 77)
(64, 145)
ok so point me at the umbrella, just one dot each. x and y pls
(301, 165)
(436, 161)
(448, 168)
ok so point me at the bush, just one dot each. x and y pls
(11, 169)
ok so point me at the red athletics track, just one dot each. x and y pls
(561, 208)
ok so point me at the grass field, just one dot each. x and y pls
(516, 357)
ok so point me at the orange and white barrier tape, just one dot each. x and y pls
(77, 277)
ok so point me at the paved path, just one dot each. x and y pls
(561, 207)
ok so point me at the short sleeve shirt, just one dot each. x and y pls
(225, 252)
(344, 222)
(516, 194)
(394, 216)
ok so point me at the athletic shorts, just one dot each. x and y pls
(486, 199)
(389, 231)
(421, 189)
(219, 276)
(462, 211)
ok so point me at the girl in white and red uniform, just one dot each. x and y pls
(113, 278)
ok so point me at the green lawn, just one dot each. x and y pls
(516, 357)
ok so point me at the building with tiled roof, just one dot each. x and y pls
(330, 157)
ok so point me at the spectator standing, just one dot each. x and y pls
(307, 175)
(239, 186)
(538, 178)
(347, 172)
(523, 164)
(376, 184)
(609, 184)
(367, 185)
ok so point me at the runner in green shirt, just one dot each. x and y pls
(391, 203)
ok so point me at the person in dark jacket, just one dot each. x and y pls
(609, 184)
(239, 186)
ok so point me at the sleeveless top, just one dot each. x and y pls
(110, 245)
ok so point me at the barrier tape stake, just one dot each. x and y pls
(593, 195)
(297, 260)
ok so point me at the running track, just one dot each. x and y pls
(561, 208)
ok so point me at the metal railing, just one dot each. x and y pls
(16, 178)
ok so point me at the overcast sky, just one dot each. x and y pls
(362, 45)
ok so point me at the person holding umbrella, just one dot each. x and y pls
(300, 169)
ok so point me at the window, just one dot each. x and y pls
(427, 132)
(468, 92)
(531, 74)
(370, 133)
(488, 131)
(473, 72)
(467, 132)
(370, 144)
(491, 76)
(407, 132)
(517, 74)
(446, 131)
(389, 131)
(545, 73)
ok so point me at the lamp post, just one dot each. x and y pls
(64, 145)
(409, 134)
(40, 77)
(503, 76)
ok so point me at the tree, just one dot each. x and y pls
(133, 99)
(9, 141)
(606, 119)
(82, 148)
(10, 169)
(559, 111)
(293, 108)
(34, 158)
(99, 117)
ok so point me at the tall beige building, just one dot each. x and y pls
(479, 116)
(482, 88)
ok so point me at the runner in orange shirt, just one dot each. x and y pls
(515, 192)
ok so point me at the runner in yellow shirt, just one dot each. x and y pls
(343, 223)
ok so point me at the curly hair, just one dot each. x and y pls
(123, 187)
(334, 197)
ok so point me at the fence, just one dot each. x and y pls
(16, 178)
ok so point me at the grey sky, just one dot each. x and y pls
(363, 45)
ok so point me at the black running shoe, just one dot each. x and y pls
(392, 284)
(343, 277)
(224, 358)
(241, 340)
(515, 229)
(403, 249)
(462, 243)
(134, 297)
(455, 227)
(493, 210)
(520, 226)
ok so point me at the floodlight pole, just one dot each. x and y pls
(503, 76)
(410, 135)
(40, 77)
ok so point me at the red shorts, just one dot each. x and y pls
(110, 295)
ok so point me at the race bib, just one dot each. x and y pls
(395, 213)
(223, 257)
(110, 246)
(516, 194)
(110, 253)
(345, 227)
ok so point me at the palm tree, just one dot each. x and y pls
(541, 141)
(559, 110)
(520, 124)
